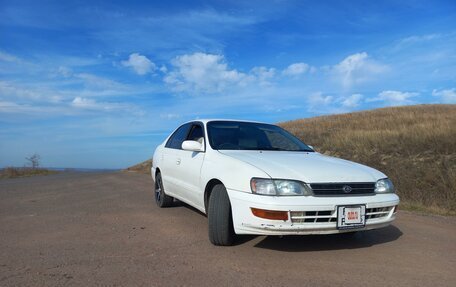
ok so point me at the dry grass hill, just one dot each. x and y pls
(414, 145)
(143, 167)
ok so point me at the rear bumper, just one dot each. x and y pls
(306, 215)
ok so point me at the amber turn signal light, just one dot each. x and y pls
(270, 214)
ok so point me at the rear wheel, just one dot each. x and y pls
(161, 198)
(221, 231)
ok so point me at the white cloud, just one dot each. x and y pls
(296, 69)
(170, 116)
(200, 72)
(352, 101)
(419, 38)
(357, 68)
(395, 98)
(318, 99)
(263, 74)
(97, 82)
(80, 102)
(65, 71)
(140, 64)
(5, 57)
(446, 96)
(163, 69)
(9, 107)
(90, 104)
(15, 91)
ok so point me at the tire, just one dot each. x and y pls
(221, 231)
(161, 198)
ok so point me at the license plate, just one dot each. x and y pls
(351, 216)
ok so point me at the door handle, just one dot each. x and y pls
(178, 161)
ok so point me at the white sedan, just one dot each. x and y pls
(256, 178)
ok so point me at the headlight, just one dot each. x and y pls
(279, 187)
(384, 186)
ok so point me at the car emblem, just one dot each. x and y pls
(347, 189)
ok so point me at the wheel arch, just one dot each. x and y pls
(208, 190)
(154, 172)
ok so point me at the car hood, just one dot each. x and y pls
(309, 167)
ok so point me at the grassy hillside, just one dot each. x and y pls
(143, 167)
(414, 145)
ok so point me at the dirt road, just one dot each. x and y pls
(105, 229)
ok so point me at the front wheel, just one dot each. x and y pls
(161, 198)
(221, 231)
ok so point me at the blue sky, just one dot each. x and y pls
(98, 84)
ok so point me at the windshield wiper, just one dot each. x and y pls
(282, 149)
(274, 149)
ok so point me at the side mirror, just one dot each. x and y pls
(192, 146)
(310, 146)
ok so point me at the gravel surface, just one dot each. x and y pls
(90, 229)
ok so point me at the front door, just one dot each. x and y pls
(170, 170)
(189, 168)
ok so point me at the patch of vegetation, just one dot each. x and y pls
(414, 145)
(143, 167)
(12, 172)
(34, 169)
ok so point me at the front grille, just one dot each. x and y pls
(378, 212)
(331, 189)
(324, 216)
(330, 216)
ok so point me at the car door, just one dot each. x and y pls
(189, 168)
(169, 167)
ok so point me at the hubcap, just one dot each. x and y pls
(158, 190)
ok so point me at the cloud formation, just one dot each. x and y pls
(202, 73)
(296, 69)
(140, 64)
(446, 96)
(395, 98)
(84, 103)
(263, 75)
(5, 57)
(352, 101)
(319, 99)
(356, 69)
(91, 104)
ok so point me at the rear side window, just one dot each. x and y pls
(178, 137)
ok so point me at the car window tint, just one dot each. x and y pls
(196, 133)
(175, 141)
(227, 135)
(279, 141)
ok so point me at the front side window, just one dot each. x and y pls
(178, 137)
(196, 133)
(229, 135)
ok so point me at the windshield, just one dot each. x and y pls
(229, 135)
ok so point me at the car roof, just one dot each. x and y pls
(205, 121)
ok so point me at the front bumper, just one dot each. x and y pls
(306, 214)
